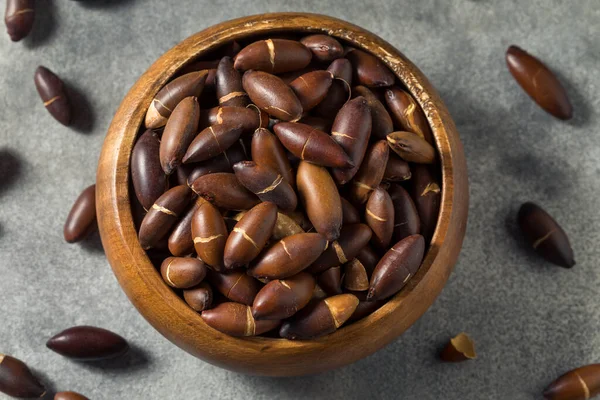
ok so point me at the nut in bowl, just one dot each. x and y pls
(270, 226)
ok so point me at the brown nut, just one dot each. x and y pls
(319, 318)
(188, 173)
(330, 281)
(370, 173)
(180, 241)
(182, 272)
(225, 191)
(81, 220)
(248, 118)
(539, 82)
(350, 214)
(396, 267)
(396, 169)
(272, 95)
(88, 343)
(368, 258)
(324, 48)
(52, 91)
(199, 298)
(267, 150)
(179, 132)
(311, 88)
(339, 92)
(460, 348)
(379, 215)
(426, 193)
(267, 184)
(310, 144)
(235, 285)
(236, 319)
(321, 199)
(163, 214)
(381, 121)
(341, 69)
(18, 18)
(167, 99)
(211, 142)
(355, 276)
(210, 235)
(369, 70)
(228, 84)
(579, 384)
(148, 178)
(69, 396)
(406, 217)
(345, 248)
(352, 130)
(250, 235)
(407, 114)
(285, 226)
(544, 234)
(17, 380)
(289, 256)
(411, 147)
(282, 298)
(274, 56)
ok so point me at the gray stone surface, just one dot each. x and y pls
(531, 321)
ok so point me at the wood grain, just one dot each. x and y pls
(265, 356)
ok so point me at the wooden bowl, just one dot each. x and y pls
(258, 355)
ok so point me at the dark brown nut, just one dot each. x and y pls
(319, 318)
(369, 70)
(211, 142)
(289, 256)
(311, 88)
(187, 174)
(182, 272)
(248, 118)
(336, 97)
(539, 82)
(179, 132)
(69, 396)
(163, 214)
(267, 184)
(368, 258)
(285, 226)
(370, 173)
(211, 69)
(379, 215)
(350, 214)
(407, 114)
(235, 285)
(342, 70)
(544, 234)
(229, 85)
(351, 240)
(199, 298)
(19, 18)
(356, 277)
(460, 348)
(579, 384)
(282, 298)
(364, 307)
(426, 193)
(268, 151)
(210, 235)
(274, 56)
(224, 191)
(321, 199)
(167, 99)
(396, 169)
(272, 95)
(17, 380)
(310, 144)
(396, 267)
(352, 130)
(318, 123)
(52, 91)
(250, 235)
(324, 48)
(330, 281)
(411, 147)
(406, 217)
(236, 319)
(148, 178)
(81, 220)
(381, 121)
(180, 241)
(88, 343)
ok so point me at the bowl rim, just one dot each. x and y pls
(169, 314)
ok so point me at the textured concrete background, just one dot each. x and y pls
(531, 321)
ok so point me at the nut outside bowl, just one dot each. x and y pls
(170, 315)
